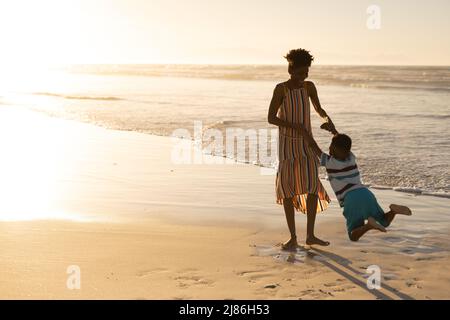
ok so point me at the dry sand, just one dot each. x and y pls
(141, 227)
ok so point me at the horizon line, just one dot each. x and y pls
(247, 64)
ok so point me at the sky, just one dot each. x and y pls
(224, 31)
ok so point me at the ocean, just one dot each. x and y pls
(398, 117)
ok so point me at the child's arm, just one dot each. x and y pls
(324, 158)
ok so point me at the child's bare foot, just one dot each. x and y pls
(291, 244)
(313, 240)
(397, 209)
(375, 225)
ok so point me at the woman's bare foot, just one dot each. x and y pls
(313, 240)
(397, 209)
(291, 244)
(375, 225)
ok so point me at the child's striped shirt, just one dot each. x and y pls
(343, 175)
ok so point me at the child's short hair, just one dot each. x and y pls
(343, 142)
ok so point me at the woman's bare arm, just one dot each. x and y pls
(316, 103)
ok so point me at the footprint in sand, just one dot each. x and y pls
(389, 276)
(111, 276)
(181, 298)
(338, 286)
(271, 286)
(413, 283)
(331, 284)
(262, 278)
(393, 239)
(190, 278)
(147, 273)
(255, 275)
(185, 277)
(424, 258)
(315, 294)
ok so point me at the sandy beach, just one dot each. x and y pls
(142, 227)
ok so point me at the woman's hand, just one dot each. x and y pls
(329, 126)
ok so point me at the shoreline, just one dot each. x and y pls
(398, 189)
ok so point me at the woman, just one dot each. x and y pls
(297, 183)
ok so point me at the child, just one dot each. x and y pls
(358, 202)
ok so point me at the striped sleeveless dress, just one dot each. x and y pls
(298, 168)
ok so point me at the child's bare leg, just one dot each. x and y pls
(311, 205)
(396, 209)
(290, 219)
(389, 216)
(371, 224)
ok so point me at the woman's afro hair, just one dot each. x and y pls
(299, 58)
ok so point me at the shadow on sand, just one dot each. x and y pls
(346, 264)
(334, 262)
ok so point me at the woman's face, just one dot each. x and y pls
(300, 73)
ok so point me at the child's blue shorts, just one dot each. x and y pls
(359, 205)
